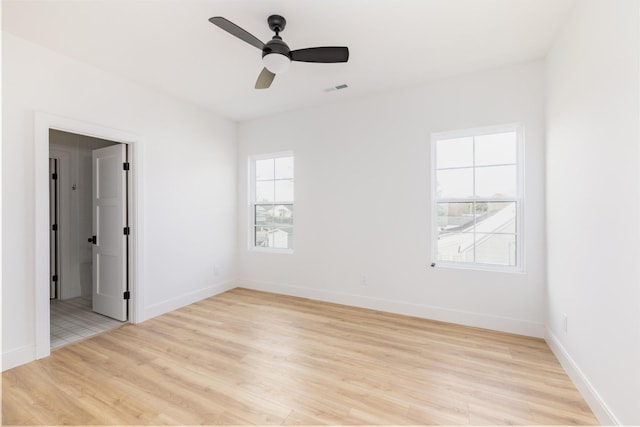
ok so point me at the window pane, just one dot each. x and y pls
(261, 236)
(496, 217)
(455, 217)
(496, 149)
(496, 181)
(452, 153)
(282, 214)
(284, 168)
(281, 238)
(274, 237)
(455, 183)
(496, 249)
(261, 213)
(264, 169)
(455, 247)
(284, 190)
(264, 191)
(274, 215)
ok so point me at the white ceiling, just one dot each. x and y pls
(171, 46)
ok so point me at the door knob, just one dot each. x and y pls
(93, 240)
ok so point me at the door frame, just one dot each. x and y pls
(63, 158)
(43, 123)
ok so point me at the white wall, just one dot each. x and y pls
(593, 208)
(362, 207)
(189, 183)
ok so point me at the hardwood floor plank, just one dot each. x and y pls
(253, 358)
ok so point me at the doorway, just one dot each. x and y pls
(43, 124)
(77, 169)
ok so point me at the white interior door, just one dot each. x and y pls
(109, 220)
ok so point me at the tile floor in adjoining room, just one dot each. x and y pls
(73, 319)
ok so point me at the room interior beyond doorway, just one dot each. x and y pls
(71, 314)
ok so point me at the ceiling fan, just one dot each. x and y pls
(276, 55)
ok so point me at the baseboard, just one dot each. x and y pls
(184, 300)
(582, 383)
(503, 324)
(19, 356)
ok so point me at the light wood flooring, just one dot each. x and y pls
(247, 357)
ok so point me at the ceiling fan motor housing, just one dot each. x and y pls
(276, 45)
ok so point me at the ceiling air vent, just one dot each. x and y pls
(332, 88)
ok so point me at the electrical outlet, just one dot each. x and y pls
(565, 323)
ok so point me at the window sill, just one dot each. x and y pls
(271, 250)
(477, 267)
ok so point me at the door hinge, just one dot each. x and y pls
(54, 176)
(127, 231)
(125, 166)
(55, 278)
(54, 227)
(127, 295)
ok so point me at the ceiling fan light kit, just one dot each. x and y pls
(276, 62)
(276, 55)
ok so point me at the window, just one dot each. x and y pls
(477, 198)
(272, 202)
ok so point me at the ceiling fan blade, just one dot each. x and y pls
(321, 54)
(234, 30)
(264, 79)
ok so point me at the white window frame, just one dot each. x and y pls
(252, 200)
(519, 266)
